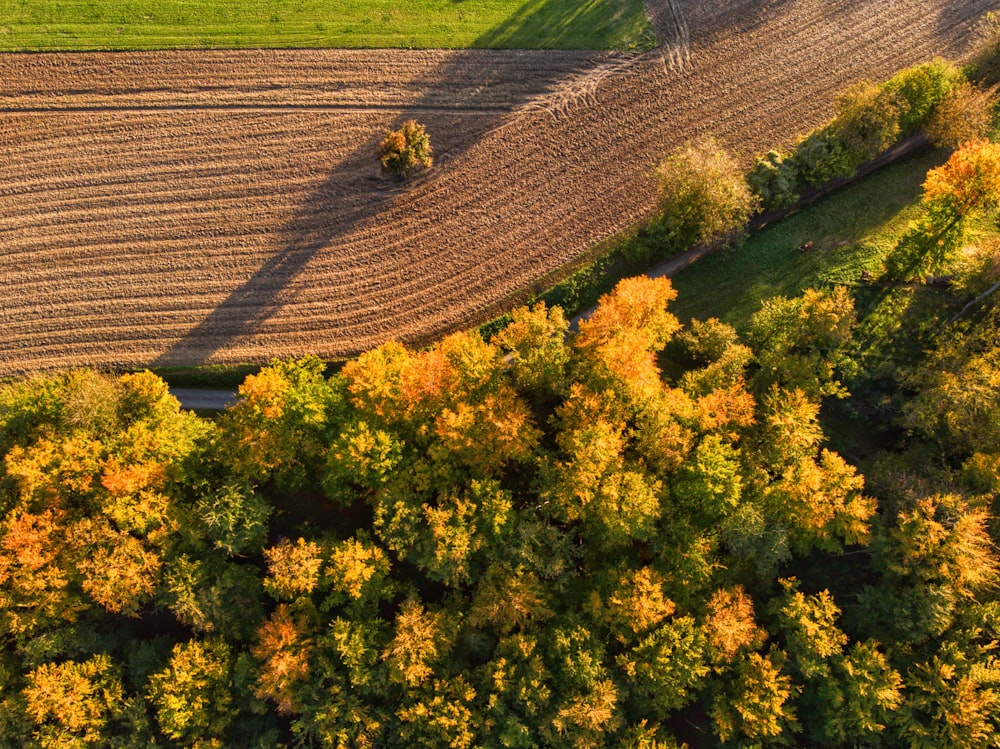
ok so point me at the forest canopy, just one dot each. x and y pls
(537, 541)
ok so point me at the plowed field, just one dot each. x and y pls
(194, 207)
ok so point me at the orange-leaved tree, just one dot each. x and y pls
(406, 150)
(968, 182)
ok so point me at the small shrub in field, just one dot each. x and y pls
(703, 195)
(406, 150)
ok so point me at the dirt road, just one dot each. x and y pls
(202, 207)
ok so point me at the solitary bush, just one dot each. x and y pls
(703, 195)
(406, 150)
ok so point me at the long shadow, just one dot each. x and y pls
(319, 220)
(567, 24)
(325, 216)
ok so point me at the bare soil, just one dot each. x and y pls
(207, 207)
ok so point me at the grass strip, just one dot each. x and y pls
(65, 25)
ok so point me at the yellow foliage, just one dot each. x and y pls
(265, 392)
(638, 604)
(730, 624)
(586, 718)
(419, 641)
(76, 697)
(293, 569)
(118, 571)
(50, 470)
(353, 564)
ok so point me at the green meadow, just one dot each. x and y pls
(213, 24)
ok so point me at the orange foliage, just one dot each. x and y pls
(284, 648)
(628, 325)
(119, 573)
(726, 409)
(265, 392)
(638, 604)
(132, 478)
(489, 433)
(970, 179)
(34, 576)
(730, 625)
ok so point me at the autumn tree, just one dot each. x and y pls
(406, 149)
(536, 342)
(964, 115)
(967, 183)
(193, 694)
(957, 400)
(755, 701)
(703, 195)
(276, 431)
(952, 701)
(799, 342)
(868, 120)
(83, 704)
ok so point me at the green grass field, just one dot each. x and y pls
(171, 24)
(851, 231)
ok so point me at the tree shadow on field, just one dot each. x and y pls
(459, 107)
(567, 24)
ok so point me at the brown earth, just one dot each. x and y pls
(194, 207)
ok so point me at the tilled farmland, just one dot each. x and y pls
(176, 208)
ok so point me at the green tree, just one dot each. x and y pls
(703, 195)
(441, 717)
(868, 120)
(193, 695)
(754, 705)
(951, 702)
(535, 340)
(667, 666)
(799, 342)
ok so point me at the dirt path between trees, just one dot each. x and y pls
(207, 207)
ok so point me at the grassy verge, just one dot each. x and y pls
(851, 231)
(210, 376)
(169, 24)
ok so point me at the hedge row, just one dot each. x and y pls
(870, 118)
